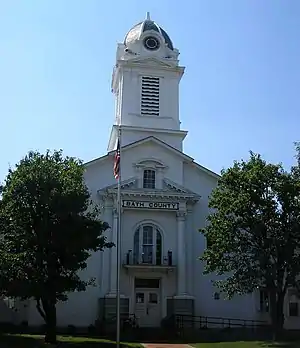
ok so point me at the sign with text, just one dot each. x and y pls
(150, 205)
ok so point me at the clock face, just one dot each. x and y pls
(151, 43)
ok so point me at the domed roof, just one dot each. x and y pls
(146, 25)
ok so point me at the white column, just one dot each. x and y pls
(113, 255)
(181, 257)
(190, 257)
(140, 256)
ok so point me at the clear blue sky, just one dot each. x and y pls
(240, 90)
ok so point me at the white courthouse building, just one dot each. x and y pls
(164, 196)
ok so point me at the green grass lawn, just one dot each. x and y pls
(37, 341)
(247, 345)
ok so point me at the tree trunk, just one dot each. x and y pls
(50, 319)
(277, 315)
(50, 336)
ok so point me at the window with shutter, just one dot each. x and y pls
(150, 96)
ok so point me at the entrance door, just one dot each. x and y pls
(147, 307)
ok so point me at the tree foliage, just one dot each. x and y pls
(254, 230)
(49, 228)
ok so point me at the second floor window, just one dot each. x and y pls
(149, 179)
(147, 245)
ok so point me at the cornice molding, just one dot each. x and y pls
(172, 192)
(150, 63)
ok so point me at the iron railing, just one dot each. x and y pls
(203, 322)
(148, 259)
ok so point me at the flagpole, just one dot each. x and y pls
(119, 245)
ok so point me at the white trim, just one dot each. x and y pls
(156, 226)
(158, 194)
(150, 116)
(150, 159)
(184, 297)
(154, 33)
(113, 134)
(154, 251)
(114, 295)
(149, 222)
(98, 159)
(149, 168)
(145, 62)
(154, 130)
(141, 235)
(175, 191)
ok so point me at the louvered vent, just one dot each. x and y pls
(150, 96)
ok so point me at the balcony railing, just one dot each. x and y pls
(148, 259)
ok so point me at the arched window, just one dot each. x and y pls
(149, 179)
(147, 245)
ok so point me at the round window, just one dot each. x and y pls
(151, 43)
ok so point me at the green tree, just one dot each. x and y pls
(253, 231)
(49, 228)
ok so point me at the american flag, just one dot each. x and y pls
(117, 162)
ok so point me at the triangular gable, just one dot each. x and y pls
(137, 143)
(177, 152)
(152, 62)
(172, 186)
(158, 142)
(168, 187)
(126, 184)
(163, 144)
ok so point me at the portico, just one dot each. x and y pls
(153, 229)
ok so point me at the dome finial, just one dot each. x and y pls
(148, 16)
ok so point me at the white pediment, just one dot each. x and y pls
(174, 187)
(152, 139)
(152, 62)
(170, 189)
(125, 185)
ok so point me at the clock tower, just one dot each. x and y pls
(145, 83)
